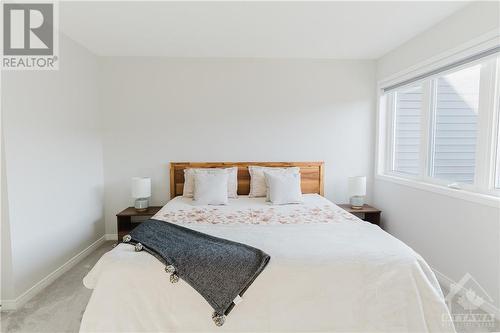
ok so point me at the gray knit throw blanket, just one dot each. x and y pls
(219, 269)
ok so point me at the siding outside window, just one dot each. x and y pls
(407, 118)
(454, 124)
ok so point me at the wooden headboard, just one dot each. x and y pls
(311, 174)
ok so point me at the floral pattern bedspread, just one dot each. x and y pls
(300, 214)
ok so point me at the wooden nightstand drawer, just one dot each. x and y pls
(124, 219)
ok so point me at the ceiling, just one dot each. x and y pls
(340, 30)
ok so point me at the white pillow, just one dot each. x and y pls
(258, 186)
(284, 188)
(232, 181)
(210, 188)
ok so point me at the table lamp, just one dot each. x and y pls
(357, 191)
(141, 191)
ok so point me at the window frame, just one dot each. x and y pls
(431, 121)
(487, 159)
(495, 170)
(390, 149)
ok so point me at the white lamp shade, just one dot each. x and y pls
(357, 186)
(141, 187)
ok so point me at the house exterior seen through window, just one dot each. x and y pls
(435, 124)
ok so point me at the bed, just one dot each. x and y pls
(329, 271)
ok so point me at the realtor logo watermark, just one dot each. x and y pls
(464, 300)
(30, 36)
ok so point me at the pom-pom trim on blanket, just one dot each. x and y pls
(218, 319)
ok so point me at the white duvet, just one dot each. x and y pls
(329, 272)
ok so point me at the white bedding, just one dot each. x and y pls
(329, 272)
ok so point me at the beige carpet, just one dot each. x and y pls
(60, 306)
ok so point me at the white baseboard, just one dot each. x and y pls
(109, 237)
(13, 304)
(8, 305)
(446, 282)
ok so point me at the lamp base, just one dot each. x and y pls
(141, 205)
(357, 202)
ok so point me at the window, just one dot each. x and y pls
(407, 112)
(454, 123)
(439, 123)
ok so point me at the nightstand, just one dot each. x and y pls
(124, 222)
(367, 213)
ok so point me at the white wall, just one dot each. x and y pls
(6, 272)
(53, 155)
(455, 236)
(162, 110)
(463, 26)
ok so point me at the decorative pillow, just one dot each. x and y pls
(210, 188)
(258, 186)
(232, 182)
(284, 188)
